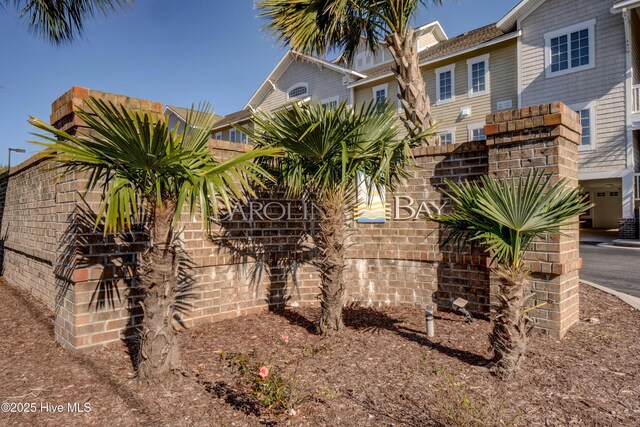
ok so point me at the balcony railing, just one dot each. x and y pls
(635, 99)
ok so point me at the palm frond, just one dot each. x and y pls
(62, 21)
(138, 162)
(507, 215)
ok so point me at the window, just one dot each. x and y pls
(364, 60)
(570, 49)
(380, 94)
(478, 75)
(298, 91)
(445, 84)
(218, 135)
(232, 135)
(447, 136)
(587, 121)
(476, 132)
(331, 103)
(244, 139)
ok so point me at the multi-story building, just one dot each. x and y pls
(585, 54)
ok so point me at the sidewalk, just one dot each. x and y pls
(591, 236)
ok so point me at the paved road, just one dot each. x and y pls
(615, 268)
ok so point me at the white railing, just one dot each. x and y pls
(637, 186)
(635, 99)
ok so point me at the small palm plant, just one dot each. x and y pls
(147, 170)
(504, 217)
(324, 152)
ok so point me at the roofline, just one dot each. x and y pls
(230, 123)
(330, 65)
(515, 13)
(437, 26)
(618, 7)
(168, 107)
(497, 40)
(266, 81)
(294, 55)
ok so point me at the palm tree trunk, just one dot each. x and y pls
(511, 325)
(158, 275)
(330, 240)
(413, 95)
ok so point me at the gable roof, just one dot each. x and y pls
(232, 118)
(508, 22)
(182, 113)
(456, 45)
(289, 58)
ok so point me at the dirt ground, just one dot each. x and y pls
(382, 371)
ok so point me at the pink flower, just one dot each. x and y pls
(285, 339)
(264, 371)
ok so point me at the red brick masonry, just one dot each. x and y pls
(84, 277)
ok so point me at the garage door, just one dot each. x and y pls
(608, 208)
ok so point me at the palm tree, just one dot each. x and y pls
(324, 152)
(61, 21)
(504, 217)
(147, 170)
(316, 27)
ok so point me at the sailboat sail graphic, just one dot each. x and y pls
(370, 206)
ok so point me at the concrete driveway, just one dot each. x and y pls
(614, 267)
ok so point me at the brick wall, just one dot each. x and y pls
(245, 266)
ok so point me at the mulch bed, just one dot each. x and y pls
(382, 371)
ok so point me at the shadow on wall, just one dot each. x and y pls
(461, 272)
(114, 256)
(273, 234)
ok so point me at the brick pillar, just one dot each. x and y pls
(543, 137)
(93, 303)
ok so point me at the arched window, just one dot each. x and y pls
(298, 91)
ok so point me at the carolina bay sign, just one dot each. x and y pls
(404, 208)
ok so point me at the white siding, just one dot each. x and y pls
(604, 83)
(322, 82)
(635, 52)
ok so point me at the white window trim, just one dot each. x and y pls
(245, 136)
(471, 127)
(438, 71)
(452, 131)
(218, 135)
(335, 99)
(591, 26)
(384, 87)
(300, 84)
(235, 135)
(487, 75)
(591, 106)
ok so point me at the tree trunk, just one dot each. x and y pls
(511, 325)
(158, 275)
(330, 240)
(412, 93)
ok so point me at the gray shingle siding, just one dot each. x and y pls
(604, 83)
(322, 83)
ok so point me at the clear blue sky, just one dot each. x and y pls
(174, 52)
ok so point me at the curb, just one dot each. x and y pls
(609, 245)
(626, 298)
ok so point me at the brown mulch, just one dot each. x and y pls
(382, 371)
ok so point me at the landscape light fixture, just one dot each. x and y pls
(17, 150)
(459, 305)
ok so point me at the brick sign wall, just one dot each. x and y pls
(249, 264)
